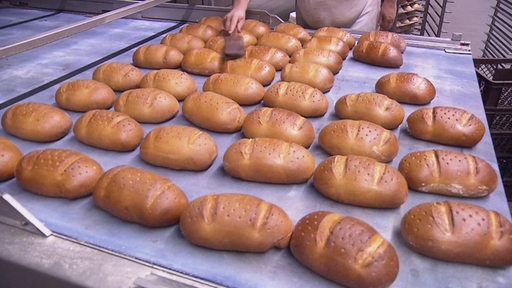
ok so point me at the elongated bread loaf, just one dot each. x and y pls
(297, 97)
(378, 53)
(184, 42)
(157, 56)
(200, 30)
(360, 181)
(457, 231)
(358, 137)
(84, 94)
(176, 82)
(345, 250)
(337, 32)
(215, 21)
(260, 70)
(242, 89)
(449, 173)
(147, 105)
(330, 43)
(269, 160)
(140, 196)
(61, 173)
(37, 122)
(202, 61)
(256, 27)
(325, 57)
(275, 56)
(179, 147)
(119, 76)
(315, 75)
(446, 125)
(283, 41)
(294, 30)
(385, 36)
(109, 130)
(372, 107)
(10, 154)
(235, 222)
(406, 87)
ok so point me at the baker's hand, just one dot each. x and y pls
(387, 14)
(234, 20)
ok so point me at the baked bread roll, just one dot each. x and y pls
(378, 53)
(312, 74)
(109, 130)
(235, 222)
(373, 107)
(358, 137)
(37, 122)
(10, 154)
(157, 56)
(215, 21)
(337, 32)
(446, 125)
(345, 250)
(179, 147)
(279, 123)
(256, 27)
(242, 89)
(200, 30)
(182, 41)
(269, 160)
(140, 196)
(459, 232)
(277, 57)
(248, 39)
(212, 111)
(260, 70)
(285, 42)
(118, 75)
(202, 61)
(406, 87)
(294, 30)
(330, 43)
(173, 81)
(448, 172)
(298, 97)
(84, 94)
(360, 181)
(387, 37)
(325, 57)
(147, 105)
(62, 173)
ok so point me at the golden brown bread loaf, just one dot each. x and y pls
(457, 231)
(215, 21)
(378, 53)
(176, 82)
(279, 123)
(202, 61)
(315, 75)
(216, 43)
(118, 75)
(256, 27)
(248, 38)
(61, 173)
(337, 32)
(260, 70)
(325, 57)
(372, 107)
(269, 160)
(446, 125)
(235, 222)
(109, 130)
(182, 41)
(406, 87)
(37, 122)
(10, 154)
(200, 30)
(358, 137)
(387, 37)
(361, 181)
(330, 43)
(212, 111)
(294, 30)
(147, 105)
(275, 56)
(179, 147)
(140, 196)
(297, 97)
(242, 89)
(84, 94)
(157, 56)
(449, 173)
(345, 250)
(285, 42)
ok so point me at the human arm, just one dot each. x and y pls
(387, 14)
(236, 17)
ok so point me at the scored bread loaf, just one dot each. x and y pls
(56, 172)
(269, 160)
(84, 94)
(275, 56)
(202, 61)
(139, 196)
(283, 41)
(256, 27)
(241, 88)
(10, 154)
(262, 71)
(297, 97)
(387, 37)
(215, 21)
(294, 30)
(325, 57)
(279, 123)
(109, 130)
(345, 250)
(147, 105)
(157, 56)
(406, 87)
(235, 222)
(200, 30)
(330, 43)
(313, 74)
(457, 231)
(182, 41)
(119, 76)
(446, 125)
(179, 147)
(176, 82)
(37, 122)
(358, 137)
(337, 32)
(378, 53)
(361, 181)
(449, 173)
(372, 107)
